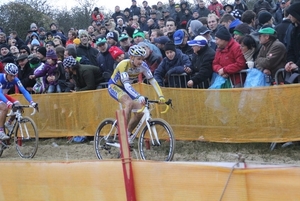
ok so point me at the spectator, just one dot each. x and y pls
(250, 47)
(15, 51)
(215, 7)
(117, 14)
(41, 85)
(240, 5)
(228, 8)
(293, 52)
(180, 39)
(24, 50)
(71, 36)
(175, 62)
(193, 27)
(121, 25)
(205, 32)
(143, 23)
(50, 71)
(279, 14)
(229, 59)
(85, 49)
(24, 72)
(54, 31)
(112, 38)
(201, 68)
(105, 62)
(282, 27)
(160, 43)
(97, 15)
(240, 31)
(155, 33)
(2, 38)
(124, 42)
(171, 8)
(86, 77)
(151, 58)
(127, 15)
(42, 35)
(213, 24)
(117, 54)
(5, 53)
(147, 8)
(265, 18)
(249, 17)
(134, 9)
(261, 5)
(41, 54)
(50, 45)
(229, 22)
(272, 55)
(201, 9)
(19, 41)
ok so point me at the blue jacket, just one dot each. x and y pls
(168, 67)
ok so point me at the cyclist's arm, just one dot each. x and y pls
(2, 96)
(23, 90)
(157, 88)
(126, 83)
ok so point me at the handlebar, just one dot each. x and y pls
(11, 113)
(147, 101)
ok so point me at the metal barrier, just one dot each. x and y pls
(180, 81)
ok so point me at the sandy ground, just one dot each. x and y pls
(62, 150)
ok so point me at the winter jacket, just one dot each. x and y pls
(23, 75)
(105, 63)
(202, 65)
(231, 59)
(89, 52)
(153, 61)
(294, 46)
(87, 77)
(203, 12)
(168, 67)
(271, 56)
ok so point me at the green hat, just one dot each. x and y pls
(137, 33)
(123, 36)
(267, 30)
(101, 40)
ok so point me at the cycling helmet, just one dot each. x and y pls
(137, 51)
(11, 69)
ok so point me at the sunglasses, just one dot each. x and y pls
(23, 52)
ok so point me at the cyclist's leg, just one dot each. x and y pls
(127, 101)
(3, 113)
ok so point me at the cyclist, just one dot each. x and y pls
(7, 81)
(119, 85)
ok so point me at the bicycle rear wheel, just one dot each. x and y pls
(160, 148)
(26, 138)
(106, 142)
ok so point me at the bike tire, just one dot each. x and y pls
(102, 147)
(153, 150)
(26, 138)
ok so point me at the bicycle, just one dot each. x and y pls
(156, 141)
(24, 131)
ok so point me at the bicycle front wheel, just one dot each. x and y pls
(159, 144)
(26, 138)
(106, 142)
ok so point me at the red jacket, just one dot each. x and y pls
(231, 59)
(216, 7)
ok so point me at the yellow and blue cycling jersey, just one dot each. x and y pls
(124, 75)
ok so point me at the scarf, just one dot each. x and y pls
(249, 54)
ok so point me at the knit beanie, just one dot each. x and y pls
(264, 17)
(294, 9)
(51, 54)
(170, 46)
(112, 35)
(223, 34)
(195, 25)
(69, 62)
(83, 32)
(115, 52)
(42, 50)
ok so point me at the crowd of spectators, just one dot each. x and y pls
(179, 38)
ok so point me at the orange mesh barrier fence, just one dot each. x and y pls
(103, 180)
(229, 115)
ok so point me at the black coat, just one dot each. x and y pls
(281, 30)
(202, 65)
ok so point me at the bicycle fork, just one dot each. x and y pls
(152, 131)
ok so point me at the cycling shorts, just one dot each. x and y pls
(117, 92)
